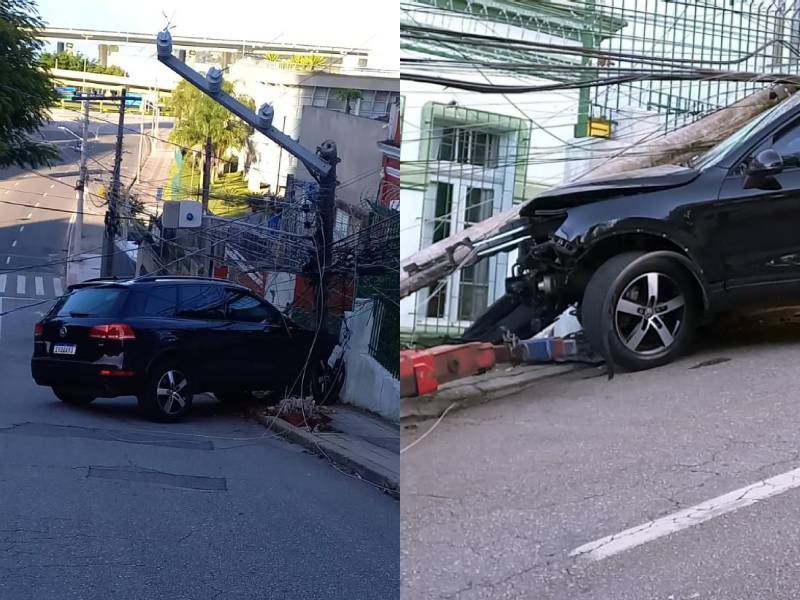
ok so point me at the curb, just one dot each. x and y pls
(319, 446)
(480, 389)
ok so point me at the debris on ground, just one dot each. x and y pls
(300, 412)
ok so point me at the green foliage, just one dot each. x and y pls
(347, 96)
(77, 62)
(198, 116)
(26, 91)
(272, 57)
(308, 62)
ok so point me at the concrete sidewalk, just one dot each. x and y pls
(354, 439)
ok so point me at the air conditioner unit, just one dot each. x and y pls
(179, 214)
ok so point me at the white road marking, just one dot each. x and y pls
(57, 286)
(3, 279)
(39, 286)
(29, 216)
(636, 536)
(37, 204)
(8, 260)
(22, 227)
(52, 185)
(16, 183)
(44, 194)
(20, 284)
(14, 243)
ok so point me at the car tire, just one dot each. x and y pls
(74, 398)
(640, 310)
(168, 393)
(326, 381)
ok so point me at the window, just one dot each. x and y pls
(443, 210)
(474, 291)
(201, 302)
(437, 297)
(90, 302)
(154, 301)
(376, 103)
(469, 147)
(479, 205)
(247, 308)
(342, 225)
(320, 97)
(787, 144)
(335, 102)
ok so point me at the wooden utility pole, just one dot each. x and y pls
(112, 212)
(439, 260)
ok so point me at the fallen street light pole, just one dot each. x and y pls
(321, 165)
(439, 260)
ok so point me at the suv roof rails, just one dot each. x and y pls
(186, 277)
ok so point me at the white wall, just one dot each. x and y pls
(367, 384)
(359, 169)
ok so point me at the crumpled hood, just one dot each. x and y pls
(589, 190)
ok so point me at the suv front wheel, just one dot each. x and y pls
(640, 309)
(167, 394)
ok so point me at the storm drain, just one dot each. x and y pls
(135, 475)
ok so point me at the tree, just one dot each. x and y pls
(26, 91)
(198, 116)
(348, 96)
(78, 62)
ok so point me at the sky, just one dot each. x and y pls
(371, 24)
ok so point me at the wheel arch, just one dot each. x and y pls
(649, 243)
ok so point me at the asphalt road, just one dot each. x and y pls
(498, 498)
(96, 503)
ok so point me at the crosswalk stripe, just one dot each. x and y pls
(39, 286)
(20, 284)
(57, 286)
(3, 283)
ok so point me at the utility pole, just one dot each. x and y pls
(141, 140)
(321, 165)
(280, 156)
(207, 262)
(81, 186)
(207, 174)
(112, 216)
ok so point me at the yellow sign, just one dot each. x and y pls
(599, 128)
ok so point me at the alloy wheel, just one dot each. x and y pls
(649, 313)
(171, 392)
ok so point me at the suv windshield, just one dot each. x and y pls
(90, 302)
(715, 155)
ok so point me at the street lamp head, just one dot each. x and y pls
(164, 44)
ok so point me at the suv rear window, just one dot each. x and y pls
(153, 301)
(90, 302)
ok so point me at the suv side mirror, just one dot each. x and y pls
(766, 163)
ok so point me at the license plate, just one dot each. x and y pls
(64, 348)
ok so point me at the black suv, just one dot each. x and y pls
(163, 339)
(646, 253)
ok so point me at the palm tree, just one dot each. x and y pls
(197, 116)
(347, 96)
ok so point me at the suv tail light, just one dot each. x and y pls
(114, 331)
(38, 330)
